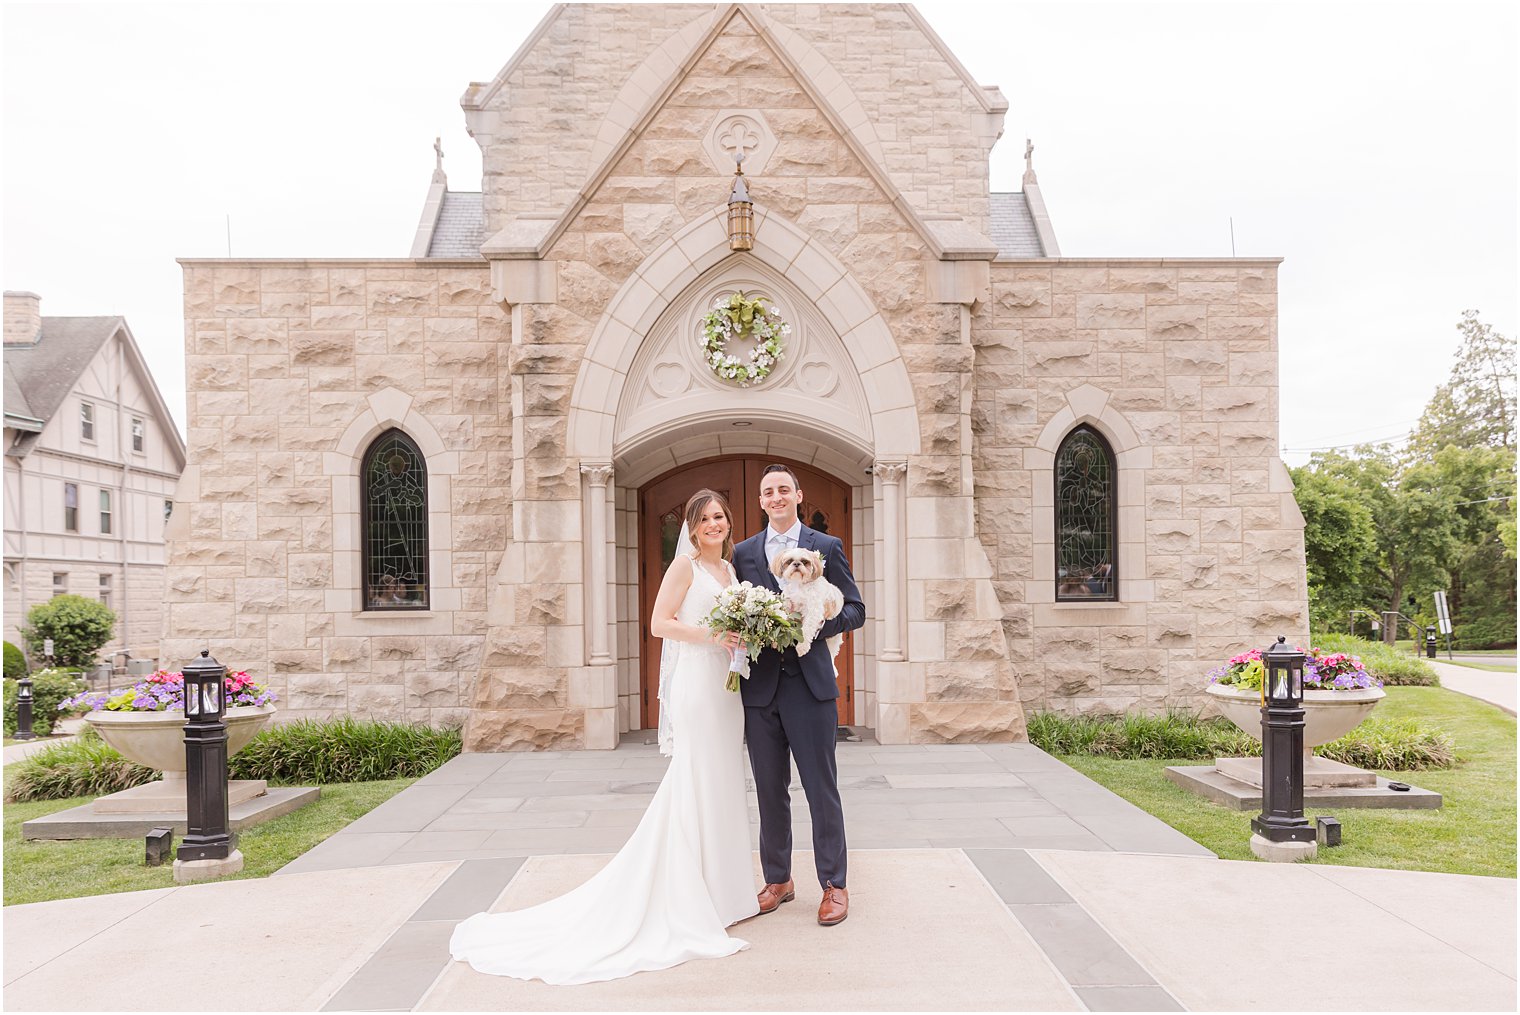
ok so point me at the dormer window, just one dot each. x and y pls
(138, 435)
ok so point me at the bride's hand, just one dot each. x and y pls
(727, 640)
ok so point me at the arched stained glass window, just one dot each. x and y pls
(1086, 514)
(395, 524)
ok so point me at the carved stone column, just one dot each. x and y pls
(891, 475)
(597, 477)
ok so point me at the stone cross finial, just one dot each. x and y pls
(438, 176)
(1029, 176)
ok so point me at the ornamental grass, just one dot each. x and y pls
(304, 752)
(1387, 744)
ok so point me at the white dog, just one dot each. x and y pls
(800, 574)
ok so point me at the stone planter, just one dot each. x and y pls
(157, 740)
(1328, 715)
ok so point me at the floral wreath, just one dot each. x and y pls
(735, 317)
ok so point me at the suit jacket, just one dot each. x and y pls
(817, 668)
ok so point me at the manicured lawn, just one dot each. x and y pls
(1482, 666)
(39, 871)
(1473, 833)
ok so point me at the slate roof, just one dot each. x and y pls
(38, 377)
(1011, 227)
(461, 227)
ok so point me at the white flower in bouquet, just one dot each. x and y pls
(758, 616)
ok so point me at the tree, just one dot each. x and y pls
(1476, 405)
(1415, 521)
(78, 627)
(1340, 544)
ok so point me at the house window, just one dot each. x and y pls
(137, 435)
(168, 509)
(395, 524)
(1086, 513)
(87, 422)
(105, 512)
(105, 590)
(71, 507)
(60, 582)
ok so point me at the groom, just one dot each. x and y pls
(789, 707)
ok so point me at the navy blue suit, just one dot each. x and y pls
(790, 712)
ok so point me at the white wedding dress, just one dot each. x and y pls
(684, 875)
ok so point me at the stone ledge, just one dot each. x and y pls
(1206, 781)
(84, 823)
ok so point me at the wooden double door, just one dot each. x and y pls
(662, 506)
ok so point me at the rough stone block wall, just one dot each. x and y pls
(1178, 360)
(664, 182)
(283, 359)
(539, 131)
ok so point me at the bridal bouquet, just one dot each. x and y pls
(758, 617)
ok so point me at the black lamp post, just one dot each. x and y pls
(24, 709)
(206, 833)
(1282, 822)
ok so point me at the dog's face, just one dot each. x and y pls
(798, 565)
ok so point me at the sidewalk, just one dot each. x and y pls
(961, 900)
(1485, 685)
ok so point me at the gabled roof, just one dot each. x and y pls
(38, 377)
(533, 236)
(1011, 226)
(461, 225)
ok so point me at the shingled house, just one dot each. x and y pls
(92, 458)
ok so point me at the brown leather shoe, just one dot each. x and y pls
(772, 896)
(834, 907)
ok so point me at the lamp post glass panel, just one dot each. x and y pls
(1282, 748)
(206, 826)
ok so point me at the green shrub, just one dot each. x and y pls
(15, 662)
(345, 750)
(1174, 735)
(1400, 745)
(84, 766)
(1388, 744)
(49, 687)
(308, 751)
(1485, 632)
(1393, 666)
(78, 627)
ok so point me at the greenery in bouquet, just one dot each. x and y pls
(164, 691)
(760, 619)
(1323, 671)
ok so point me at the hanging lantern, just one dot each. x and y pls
(741, 210)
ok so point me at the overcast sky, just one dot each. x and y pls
(1372, 145)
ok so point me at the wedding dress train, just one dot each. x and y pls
(684, 875)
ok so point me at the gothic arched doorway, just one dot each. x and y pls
(825, 507)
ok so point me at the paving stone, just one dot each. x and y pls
(348, 849)
(1128, 999)
(398, 975)
(497, 820)
(1079, 947)
(410, 812)
(1017, 878)
(1046, 825)
(469, 890)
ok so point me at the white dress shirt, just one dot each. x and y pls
(776, 542)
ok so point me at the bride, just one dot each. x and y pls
(686, 873)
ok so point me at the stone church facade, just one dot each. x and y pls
(528, 392)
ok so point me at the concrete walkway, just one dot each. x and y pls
(1485, 685)
(982, 877)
